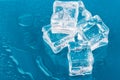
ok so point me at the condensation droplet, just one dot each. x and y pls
(26, 20)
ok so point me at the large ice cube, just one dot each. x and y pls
(80, 58)
(57, 41)
(64, 17)
(96, 32)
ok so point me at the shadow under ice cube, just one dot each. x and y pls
(80, 58)
(96, 32)
(57, 41)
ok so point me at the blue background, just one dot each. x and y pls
(20, 30)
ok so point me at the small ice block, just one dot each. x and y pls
(96, 32)
(80, 58)
(65, 16)
(57, 41)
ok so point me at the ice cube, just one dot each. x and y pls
(80, 58)
(57, 41)
(64, 17)
(96, 32)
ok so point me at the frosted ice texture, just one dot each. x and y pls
(73, 26)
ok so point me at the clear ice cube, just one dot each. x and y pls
(57, 41)
(96, 32)
(64, 17)
(66, 14)
(80, 58)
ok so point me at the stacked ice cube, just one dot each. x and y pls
(73, 26)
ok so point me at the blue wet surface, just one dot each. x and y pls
(25, 56)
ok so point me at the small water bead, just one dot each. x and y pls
(26, 20)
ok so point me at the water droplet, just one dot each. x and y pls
(8, 50)
(26, 20)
